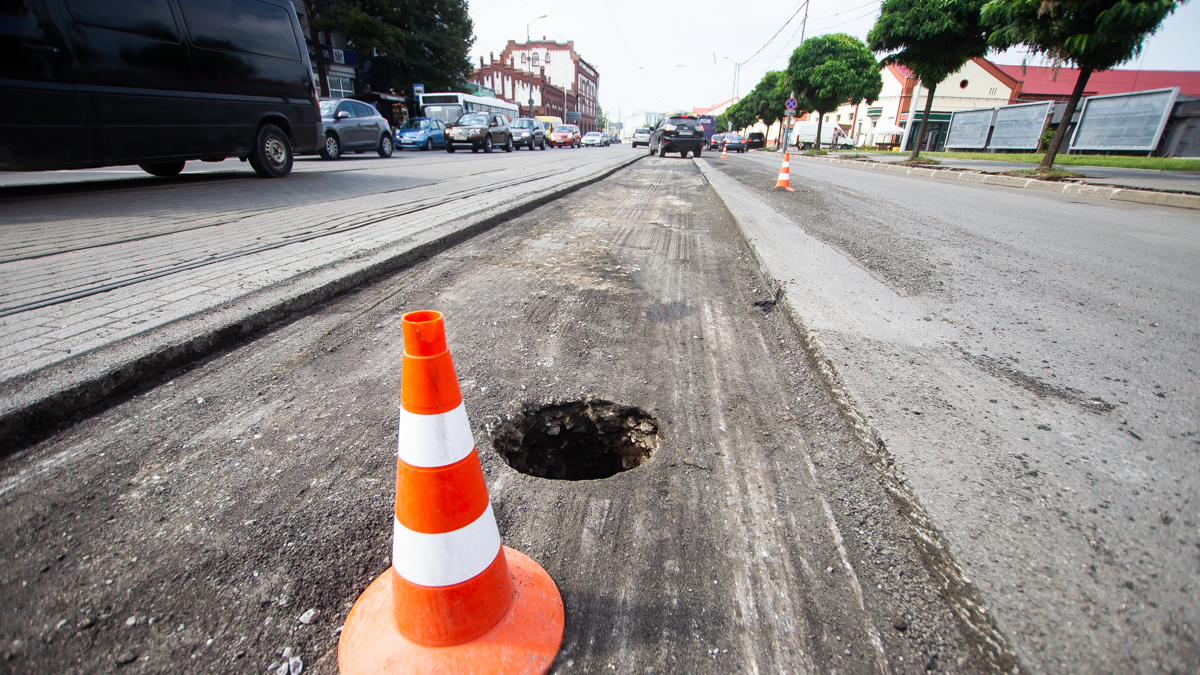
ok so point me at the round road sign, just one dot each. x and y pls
(791, 104)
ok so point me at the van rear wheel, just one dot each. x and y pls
(163, 169)
(272, 153)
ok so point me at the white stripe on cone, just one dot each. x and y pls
(430, 441)
(447, 558)
(783, 176)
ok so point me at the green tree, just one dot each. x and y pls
(830, 70)
(737, 116)
(932, 38)
(402, 42)
(770, 95)
(1091, 34)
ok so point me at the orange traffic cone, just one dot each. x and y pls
(455, 600)
(785, 181)
(723, 155)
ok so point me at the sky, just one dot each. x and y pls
(658, 56)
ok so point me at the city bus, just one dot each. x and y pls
(448, 106)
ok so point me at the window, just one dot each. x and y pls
(345, 107)
(340, 87)
(247, 26)
(963, 84)
(522, 58)
(151, 18)
(362, 109)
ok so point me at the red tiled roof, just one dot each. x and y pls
(1041, 81)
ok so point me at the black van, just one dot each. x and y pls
(87, 83)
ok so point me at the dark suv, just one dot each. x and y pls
(756, 140)
(479, 131)
(354, 126)
(677, 133)
(529, 133)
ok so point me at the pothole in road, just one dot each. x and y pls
(581, 440)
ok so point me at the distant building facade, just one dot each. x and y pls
(562, 82)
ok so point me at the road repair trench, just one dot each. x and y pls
(741, 527)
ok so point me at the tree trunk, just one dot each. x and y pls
(820, 121)
(1085, 72)
(924, 121)
(310, 9)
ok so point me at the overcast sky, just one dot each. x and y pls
(658, 56)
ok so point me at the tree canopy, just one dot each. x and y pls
(402, 42)
(764, 103)
(1091, 34)
(932, 38)
(830, 70)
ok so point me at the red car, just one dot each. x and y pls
(566, 135)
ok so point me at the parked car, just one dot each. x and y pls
(680, 133)
(528, 132)
(566, 135)
(479, 131)
(593, 138)
(421, 132)
(354, 126)
(734, 142)
(714, 143)
(154, 84)
(755, 139)
(641, 137)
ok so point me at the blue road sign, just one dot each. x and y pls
(791, 104)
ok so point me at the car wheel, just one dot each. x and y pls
(449, 148)
(696, 152)
(509, 147)
(385, 148)
(163, 169)
(487, 143)
(271, 156)
(429, 144)
(333, 147)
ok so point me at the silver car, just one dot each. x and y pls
(641, 137)
(354, 126)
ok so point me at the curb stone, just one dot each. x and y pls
(1148, 197)
(36, 404)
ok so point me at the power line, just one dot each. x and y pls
(785, 25)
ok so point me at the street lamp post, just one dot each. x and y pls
(737, 67)
(529, 61)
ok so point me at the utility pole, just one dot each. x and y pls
(529, 61)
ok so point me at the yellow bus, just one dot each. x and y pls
(550, 122)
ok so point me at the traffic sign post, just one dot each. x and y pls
(790, 105)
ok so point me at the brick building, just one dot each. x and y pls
(562, 81)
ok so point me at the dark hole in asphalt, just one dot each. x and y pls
(581, 440)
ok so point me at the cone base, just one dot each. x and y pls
(525, 641)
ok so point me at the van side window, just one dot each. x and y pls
(247, 26)
(151, 18)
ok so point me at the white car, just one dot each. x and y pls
(641, 137)
(593, 138)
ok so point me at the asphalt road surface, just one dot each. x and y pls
(899, 426)
(1029, 362)
(187, 528)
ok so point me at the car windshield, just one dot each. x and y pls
(591, 134)
(416, 124)
(474, 118)
(522, 124)
(732, 137)
(564, 129)
(327, 108)
(445, 113)
(643, 131)
(684, 121)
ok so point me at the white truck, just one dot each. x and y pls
(804, 137)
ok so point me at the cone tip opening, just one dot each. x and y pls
(424, 333)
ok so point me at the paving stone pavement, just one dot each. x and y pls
(85, 273)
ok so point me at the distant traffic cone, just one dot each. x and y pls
(785, 180)
(723, 155)
(455, 600)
